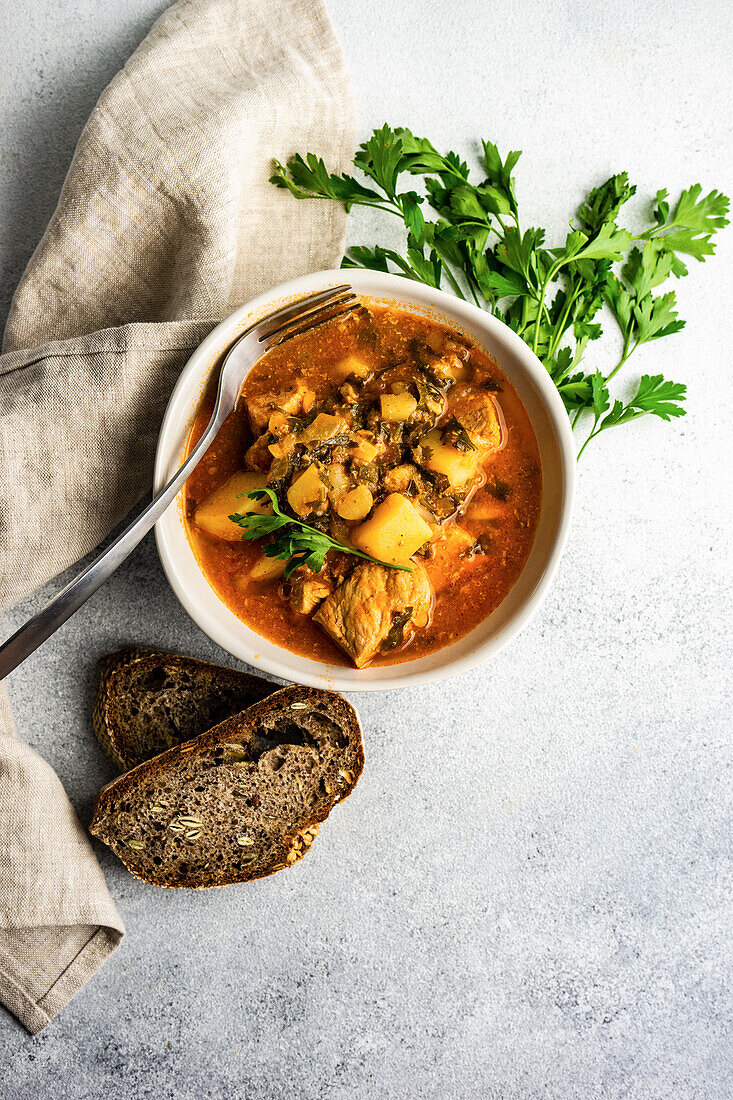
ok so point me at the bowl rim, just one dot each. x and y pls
(290, 666)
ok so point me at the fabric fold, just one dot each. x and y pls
(48, 875)
(79, 422)
(166, 223)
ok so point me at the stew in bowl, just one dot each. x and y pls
(402, 440)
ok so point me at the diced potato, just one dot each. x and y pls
(363, 450)
(451, 366)
(324, 427)
(212, 515)
(436, 529)
(397, 406)
(393, 533)
(267, 569)
(339, 481)
(278, 423)
(485, 509)
(283, 446)
(458, 466)
(309, 400)
(348, 366)
(356, 504)
(307, 492)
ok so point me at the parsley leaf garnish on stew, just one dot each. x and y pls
(292, 540)
(550, 295)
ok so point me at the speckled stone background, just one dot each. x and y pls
(528, 894)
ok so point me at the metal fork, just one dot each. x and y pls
(293, 320)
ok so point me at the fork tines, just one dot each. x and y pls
(303, 305)
(309, 313)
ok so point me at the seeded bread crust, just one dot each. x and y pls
(239, 802)
(173, 699)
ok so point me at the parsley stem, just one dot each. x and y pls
(552, 274)
(340, 546)
(592, 435)
(627, 352)
(560, 324)
(250, 521)
(453, 281)
(473, 287)
(371, 204)
(474, 294)
(656, 231)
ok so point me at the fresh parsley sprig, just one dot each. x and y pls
(293, 541)
(653, 395)
(550, 296)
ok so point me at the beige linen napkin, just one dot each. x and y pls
(166, 223)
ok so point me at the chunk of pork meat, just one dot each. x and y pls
(261, 406)
(479, 414)
(306, 594)
(360, 614)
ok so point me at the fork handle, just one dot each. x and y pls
(35, 632)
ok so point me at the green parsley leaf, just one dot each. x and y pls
(375, 259)
(293, 541)
(699, 215)
(522, 252)
(576, 391)
(604, 202)
(622, 306)
(609, 243)
(656, 317)
(420, 156)
(309, 178)
(426, 269)
(600, 399)
(414, 219)
(496, 280)
(499, 174)
(655, 396)
(647, 268)
(380, 158)
(690, 228)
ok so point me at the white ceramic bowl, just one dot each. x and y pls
(557, 452)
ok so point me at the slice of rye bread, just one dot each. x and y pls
(149, 700)
(239, 802)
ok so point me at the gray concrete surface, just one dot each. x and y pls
(528, 895)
